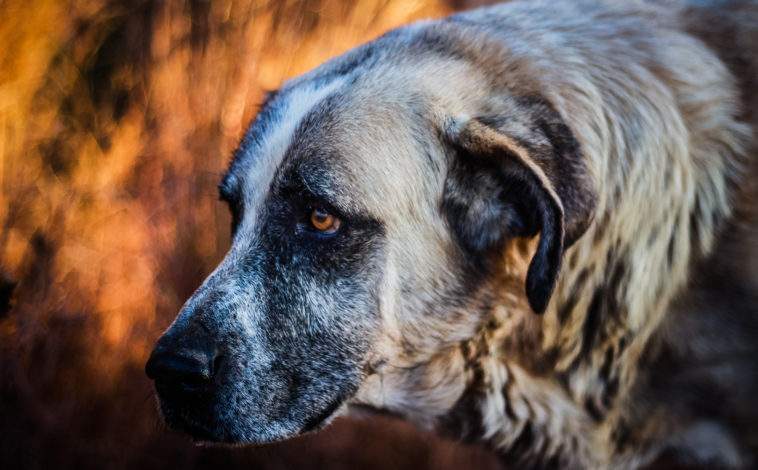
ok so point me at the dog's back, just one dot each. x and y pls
(731, 29)
(701, 366)
(703, 362)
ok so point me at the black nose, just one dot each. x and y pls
(182, 366)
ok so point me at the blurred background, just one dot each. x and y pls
(116, 121)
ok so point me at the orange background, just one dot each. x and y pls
(116, 121)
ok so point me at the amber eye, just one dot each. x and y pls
(324, 221)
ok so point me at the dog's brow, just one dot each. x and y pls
(318, 187)
(315, 187)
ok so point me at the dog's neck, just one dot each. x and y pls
(550, 388)
(555, 386)
(521, 384)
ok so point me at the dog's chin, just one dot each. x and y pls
(184, 422)
(246, 434)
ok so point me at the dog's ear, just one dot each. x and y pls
(501, 185)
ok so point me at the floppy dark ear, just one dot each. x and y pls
(496, 189)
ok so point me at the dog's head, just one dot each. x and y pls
(371, 201)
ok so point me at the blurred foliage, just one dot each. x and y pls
(116, 120)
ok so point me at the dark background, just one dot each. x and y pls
(116, 120)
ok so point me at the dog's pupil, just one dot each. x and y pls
(321, 219)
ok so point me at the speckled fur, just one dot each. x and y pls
(627, 117)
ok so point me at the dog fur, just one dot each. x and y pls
(550, 242)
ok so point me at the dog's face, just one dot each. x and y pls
(367, 217)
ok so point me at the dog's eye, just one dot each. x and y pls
(323, 221)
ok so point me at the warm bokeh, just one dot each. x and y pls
(116, 120)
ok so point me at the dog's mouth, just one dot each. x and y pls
(322, 419)
(362, 410)
(184, 422)
(185, 419)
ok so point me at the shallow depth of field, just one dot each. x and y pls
(116, 121)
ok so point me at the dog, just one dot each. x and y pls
(531, 225)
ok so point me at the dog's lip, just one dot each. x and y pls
(320, 420)
(181, 421)
(361, 410)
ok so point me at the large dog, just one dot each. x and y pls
(531, 225)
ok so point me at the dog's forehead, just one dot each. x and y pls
(368, 124)
(358, 145)
(365, 146)
(266, 143)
